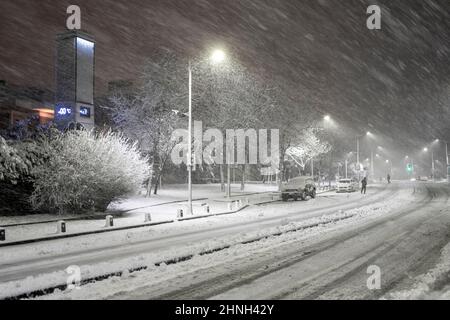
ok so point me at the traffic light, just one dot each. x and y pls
(409, 167)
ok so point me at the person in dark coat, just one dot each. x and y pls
(389, 178)
(363, 185)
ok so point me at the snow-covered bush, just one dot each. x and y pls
(12, 166)
(86, 171)
(17, 160)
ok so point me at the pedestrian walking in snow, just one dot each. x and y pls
(363, 185)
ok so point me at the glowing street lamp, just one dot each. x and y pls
(218, 56)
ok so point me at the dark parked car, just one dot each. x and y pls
(298, 188)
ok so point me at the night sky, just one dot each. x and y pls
(394, 82)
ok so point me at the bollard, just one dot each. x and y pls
(230, 206)
(2, 234)
(180, 213)
(207, 208)
(61, 227)
(148, 217)
(109, 221)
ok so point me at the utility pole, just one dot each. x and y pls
(346, 169)
(432, 163)
(357, 158)
(447, 160)
(189, 159)
(372, 169)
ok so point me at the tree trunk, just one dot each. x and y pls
(222, 179)
(243, 178)
(155, 192)
(149, 183)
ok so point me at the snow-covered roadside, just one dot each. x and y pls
(9, 255)
(137, 207)
(428, 286)
(103, 289)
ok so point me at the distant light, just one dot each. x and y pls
(380, 147)
(327, 118)
(437, 140)
(218, 56)
(425, 149)
(369, 133)
(377, 155)
(387, 161)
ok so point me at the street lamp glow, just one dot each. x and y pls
(218, 56)
(387, 161)
(425, 149)
(327, 118)
(369, 133)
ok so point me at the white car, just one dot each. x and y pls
(347, 185)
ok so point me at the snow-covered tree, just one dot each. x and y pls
(17, 160)
(307, 147)
(146, 113)
(86, 171)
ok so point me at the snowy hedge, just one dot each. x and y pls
(86, 171)
(17, 160)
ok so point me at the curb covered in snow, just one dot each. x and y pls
(72, 235)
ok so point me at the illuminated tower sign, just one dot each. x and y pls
(74, 107)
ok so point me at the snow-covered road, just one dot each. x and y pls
(399, 228)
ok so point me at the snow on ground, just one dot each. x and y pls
(136, 207)
(153, 274)
(117, 238)
(428, 286)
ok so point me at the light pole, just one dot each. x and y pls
(432, 164)
(357, 153)
(372, 168)
(447, 161)
(217, 57)
(189, 158)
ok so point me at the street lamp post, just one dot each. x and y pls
(447, 162)
(372, 169)
(217, 57)
(189, 158)
(432, 164)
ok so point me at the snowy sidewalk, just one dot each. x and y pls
(163, 208)
(132, 212)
